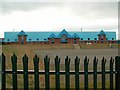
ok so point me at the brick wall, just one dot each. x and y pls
(77, 41)
(100, 38)
(25, 38)
(57, 40)
(20, 38)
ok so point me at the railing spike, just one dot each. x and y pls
(67, 57)
(3, 54)
(46, 59)
(46, 56)
(77, 60)
(85, 57)
(56, 57)
(111, 58)
(95, 58)
(76, 57)
(103, 58)
(36, 55)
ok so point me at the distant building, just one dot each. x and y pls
(59, 37)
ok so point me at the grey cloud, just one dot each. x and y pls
(8, 7)
(101, 9)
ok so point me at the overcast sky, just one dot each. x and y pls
(55, 16)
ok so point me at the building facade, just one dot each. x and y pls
(59, 37)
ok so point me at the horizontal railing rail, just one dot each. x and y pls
(53, 72)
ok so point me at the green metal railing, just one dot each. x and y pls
(36, 72)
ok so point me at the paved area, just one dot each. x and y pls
(81, 53)
(99, 53)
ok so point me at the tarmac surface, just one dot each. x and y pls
(81, 53)
(72, 53)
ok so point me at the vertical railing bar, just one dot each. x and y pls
(14, 71)
(36, 72)
(3, 72)
(25, 70)
(95, 73)
(117, 76)
(67, 71)
(57, 72)
(111, 73)
(77, 61)
(103, 73)
(46, 63)
(86, 61)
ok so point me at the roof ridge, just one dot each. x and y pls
(22, 33)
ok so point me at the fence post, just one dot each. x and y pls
(86, 61)
(36, 72)
(103, 73)
(46, 63)
(67, 74)
(111, 73)
(25, 70)
(117, 67)
(95, 62)
(77, 61)
(14, 71)
(57, 72)
(3, 72)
